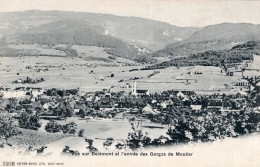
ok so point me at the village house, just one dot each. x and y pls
(196, 107)
(142, 92)
(149, 110)
(216, 104)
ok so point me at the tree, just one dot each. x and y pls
(7, 129)
(204, 103)
(90, 146)
(81, 113)
(69, 128)
(69, 110)
(137, 139)
(10, 107)
(29, 121)
(97, 106)
(53, 127)
(179, 132)
(257, 99)
(65, 109)
(187, 103)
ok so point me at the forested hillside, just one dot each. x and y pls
(128, 37)
(215, 58)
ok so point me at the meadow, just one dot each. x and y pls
(93, 75)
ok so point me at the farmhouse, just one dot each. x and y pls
(216, 103)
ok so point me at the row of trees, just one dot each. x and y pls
(205, 127)
(70, 128)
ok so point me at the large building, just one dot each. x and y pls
(139, 92)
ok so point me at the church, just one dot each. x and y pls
(138, 92)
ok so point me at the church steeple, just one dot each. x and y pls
(134, 88)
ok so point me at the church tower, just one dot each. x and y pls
(134, 88)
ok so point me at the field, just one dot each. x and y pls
(62, 72)
(211, 80)
(98, 53)
(98, 130)
(92, 75)
(36, 49)
(254, 65)
(33, 138)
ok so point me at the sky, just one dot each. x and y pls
(184, 13)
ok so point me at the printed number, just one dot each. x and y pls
(11, 163)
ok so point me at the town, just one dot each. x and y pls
(33, 107)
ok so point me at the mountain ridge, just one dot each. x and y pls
(143, 32)
(213, 37)
(123, 36)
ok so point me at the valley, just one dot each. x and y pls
(93, 75)
(71, 79)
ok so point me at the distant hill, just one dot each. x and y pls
(213, 37)
(126, 37)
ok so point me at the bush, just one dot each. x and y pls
(81, 133)
(162, 140)
(108, 143)
(68, 151)
(53, 127)
(69, 128)
(112, 57)
(120, 146)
